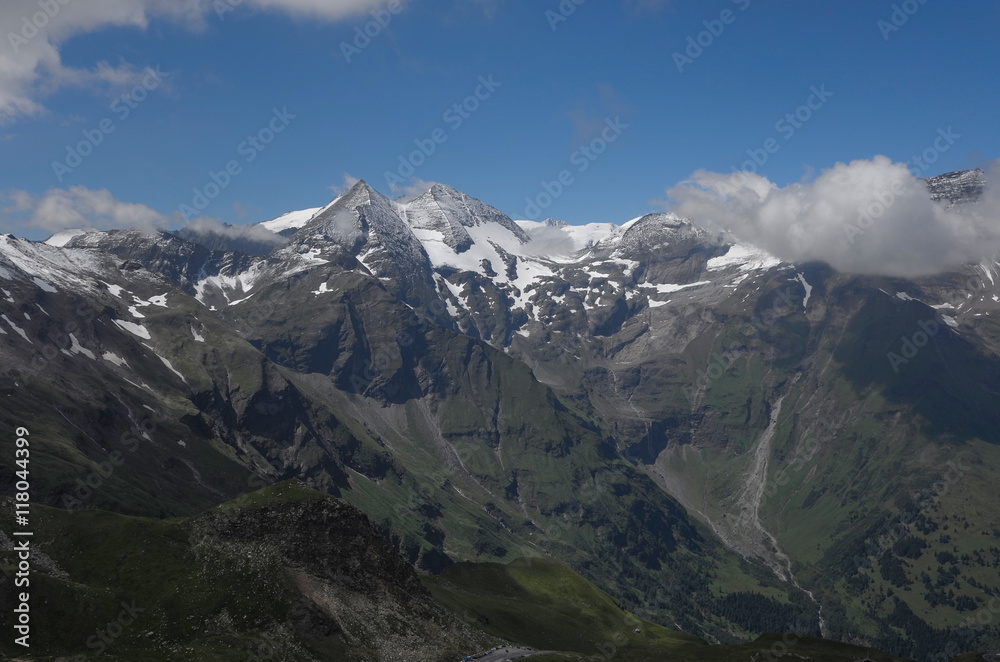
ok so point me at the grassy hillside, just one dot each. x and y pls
(285, 573)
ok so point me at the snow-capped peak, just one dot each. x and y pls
(292, 220)
(448, 210)
(63, 237)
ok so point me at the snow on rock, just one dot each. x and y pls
(116, 290)
(744, 256)
(111, 357)
(950, 321)
(668, 288)
(48, 266)
(293, 220)
(44, 285)
(170, 367)
(197, 336)
(16, 328)
(77, 348)
(135, 313)
(808, 288)
(134, 329)
(563, 243)
(62, 238)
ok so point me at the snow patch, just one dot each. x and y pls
(77, 348)
(44, 285)
(293, 219)
(744, 256)
(170, 367)
(18, 329)
(670, 287)
(60, 239)
(116, 290)
(134, 329)
(111, 357)
(809, 290)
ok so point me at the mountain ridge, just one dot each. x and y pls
(616, 397)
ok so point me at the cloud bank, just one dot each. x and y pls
(81, 207)
(867, 217)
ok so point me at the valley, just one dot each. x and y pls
(715, 440)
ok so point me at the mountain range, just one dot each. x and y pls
(724, 443)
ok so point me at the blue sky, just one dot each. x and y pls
(553, 92)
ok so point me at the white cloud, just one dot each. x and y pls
(416, 188)
(80, 207)
(867, 216)
(348, 183)
(331, 10)
(19, 201)
(30, 64)
(207, 225)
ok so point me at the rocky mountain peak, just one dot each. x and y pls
(448, 211)
(957, 187)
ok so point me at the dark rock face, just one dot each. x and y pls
(327, 538)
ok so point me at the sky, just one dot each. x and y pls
(156, 112)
